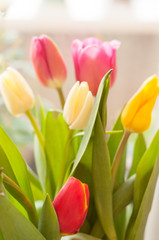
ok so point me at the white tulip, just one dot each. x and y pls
(78, 106)
(16, 92)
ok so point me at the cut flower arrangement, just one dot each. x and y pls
(81, 188)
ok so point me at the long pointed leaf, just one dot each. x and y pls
(14, 225)
(17, 163)
(101, 171)
(48, 223)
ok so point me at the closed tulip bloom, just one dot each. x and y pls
(48, 62)
(93, 59)
(78, 106)
(136, 115)
(71, 205)
(16, 92)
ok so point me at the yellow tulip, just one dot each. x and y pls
(78, 106)
(136, 115)
(16, 92)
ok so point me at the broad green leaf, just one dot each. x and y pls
(120, 225)
(80, 236)
(35, 185)
(55, 141)
(137, 232)
(123, 196)
(17, 163)
(114, 139)
(1, 235)
(144, 170)
(143, 174)
(40, 162)
(90, 125)
(48, 222)
(101, 171)
(5, 164)
(14, 225)
(139, 149)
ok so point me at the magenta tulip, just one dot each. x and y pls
(71, 206)
(92, 59)
(48, 62)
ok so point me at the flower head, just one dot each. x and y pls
(136, 115)
(78, 106)
(71, 205)
(48, 62)
(16, 92)
(92, 59)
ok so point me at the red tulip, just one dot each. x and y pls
(48, 62)
(92, 59)
(71, 205)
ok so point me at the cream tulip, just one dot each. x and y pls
(16, 92)
(78, 106)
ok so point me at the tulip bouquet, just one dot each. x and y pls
(81, 188)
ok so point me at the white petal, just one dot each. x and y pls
(83, 117)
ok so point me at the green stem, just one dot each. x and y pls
(20, 196)
(37, 131)
(61, 96)
(118, 156)
(97, 230)
(64, 163)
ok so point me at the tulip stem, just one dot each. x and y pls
(64, 163)
(20, 196)
(118, 156)
(37, 131)
(62, 99)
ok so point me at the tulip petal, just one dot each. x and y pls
(136, 115)
(71, 205)
(17, 94)
(83, 117)
(93, 64)
(70, 103)
(144, 94)
(76, 47)
(55, 62)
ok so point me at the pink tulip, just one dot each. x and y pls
(48, 62)
(71, 205)
(92, 59)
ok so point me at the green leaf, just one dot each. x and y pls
(143, 174)
(1, 235)
(101, 171)
(114, 139)
(90, 125)
(80, 236)
(40, 162)
(137, 232)
(14, 225)
(48, 223)
(139, 149)
(55, 140)
(17, 163)
(123, 196)
(35, 185)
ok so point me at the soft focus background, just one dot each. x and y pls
(134, 22)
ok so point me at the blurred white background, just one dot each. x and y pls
(134, 22)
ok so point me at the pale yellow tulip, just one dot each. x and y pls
(78, 106)
(16, 92)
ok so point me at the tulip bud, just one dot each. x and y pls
(78, 106)
(48, 62)
(93, 59)
(16, 92)
(136, 115)
(71, 205)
